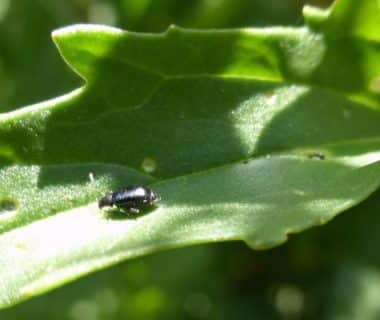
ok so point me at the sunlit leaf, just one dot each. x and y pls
(246, 134)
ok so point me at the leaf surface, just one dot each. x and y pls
(246, 134)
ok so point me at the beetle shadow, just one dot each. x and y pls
(119, 214)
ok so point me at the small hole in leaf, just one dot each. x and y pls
(149, 165)
(7, 205)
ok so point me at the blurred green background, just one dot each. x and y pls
(330, 272)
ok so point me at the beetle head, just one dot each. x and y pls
(106, 201)
(154, 197)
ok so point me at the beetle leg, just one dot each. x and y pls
(134, 210)
(129, 208)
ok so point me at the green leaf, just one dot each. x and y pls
(349, 18)
(246, 134)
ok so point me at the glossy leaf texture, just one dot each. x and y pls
(246, 134)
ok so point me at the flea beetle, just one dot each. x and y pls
(130, 198)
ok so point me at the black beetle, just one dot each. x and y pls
(130, 198)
